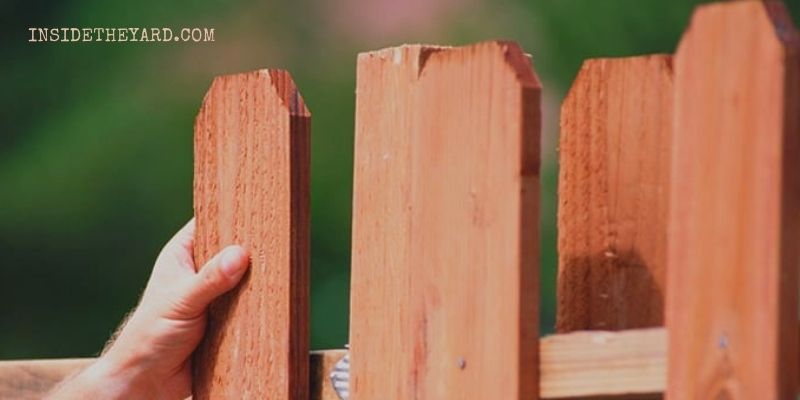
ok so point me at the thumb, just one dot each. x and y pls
(219, 275)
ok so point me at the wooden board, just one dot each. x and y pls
(603, 363)
(616, 124)
(444, 295)
(596, 364)
(733, 240)
(322, 366)
(251, 188)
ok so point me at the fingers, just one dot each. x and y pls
(218, 276)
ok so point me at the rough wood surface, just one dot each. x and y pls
(444, 296)
(251, 188)
(733, 240)
(616, 124)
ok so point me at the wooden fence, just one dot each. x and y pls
(679, 199)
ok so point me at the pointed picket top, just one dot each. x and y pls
(614, 155)
(444, 294)
(251, 188)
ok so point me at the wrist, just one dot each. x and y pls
(119, 378)
(105, 380)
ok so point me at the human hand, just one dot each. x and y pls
(151, 355)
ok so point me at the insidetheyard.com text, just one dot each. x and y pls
(121, 35)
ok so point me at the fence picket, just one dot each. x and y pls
(444, 297)
(251, 188)
(616, 124)
(734, 206)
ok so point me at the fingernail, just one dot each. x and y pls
(233, 261)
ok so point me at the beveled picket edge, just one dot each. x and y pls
(573, 365)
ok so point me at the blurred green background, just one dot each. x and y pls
(96, 138)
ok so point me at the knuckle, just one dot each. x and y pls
(215, 280)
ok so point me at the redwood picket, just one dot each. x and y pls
(251, 188)
(445, 224)
(616, 127)
(735, 202)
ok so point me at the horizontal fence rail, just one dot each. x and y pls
(572, 366)
(579, 365)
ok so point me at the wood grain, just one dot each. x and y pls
(616, 124)
(444, 296)
(251, 188)
(604, 364)
(733, 238)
